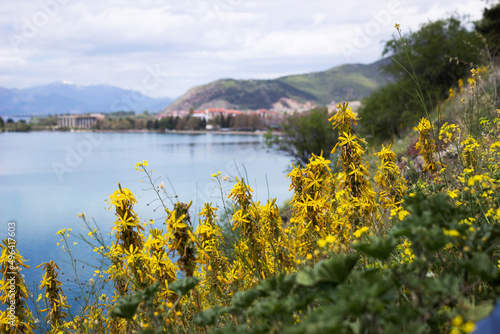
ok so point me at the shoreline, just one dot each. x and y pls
(180, 132)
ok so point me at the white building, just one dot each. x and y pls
(79, 121)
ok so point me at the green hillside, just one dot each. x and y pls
(346, 82)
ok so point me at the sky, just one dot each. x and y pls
(163, 48)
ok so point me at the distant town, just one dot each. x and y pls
(210, 119)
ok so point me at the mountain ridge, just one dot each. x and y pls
(61, 98)
(344, 82)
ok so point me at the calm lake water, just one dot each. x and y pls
(47, 178)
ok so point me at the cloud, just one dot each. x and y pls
(197, 41)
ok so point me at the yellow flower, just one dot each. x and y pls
(452, 233)
(402, 214)
(361, 231)
(468, 327)
(330, 239)
(386, 153)
(140, 165)
(457, 321)
(322, 243)
(458, 325)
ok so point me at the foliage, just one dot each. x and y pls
(387, 294)
(304, 134)
(489, 27)
(426, 63)
(19, 126)
(427, 52)
(388, 111)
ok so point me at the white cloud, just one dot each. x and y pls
(197, 41)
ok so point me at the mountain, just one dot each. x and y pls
(61, 98)
(342, 83)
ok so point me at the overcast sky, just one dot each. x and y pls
(163, 47)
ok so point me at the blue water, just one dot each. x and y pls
(47, 178)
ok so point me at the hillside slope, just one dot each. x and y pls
(346, 82)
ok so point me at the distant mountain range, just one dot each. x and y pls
(342, 83)
(62, 98)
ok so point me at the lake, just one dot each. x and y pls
(47, 178)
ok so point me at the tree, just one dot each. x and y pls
(240, 122)
(254, 122)
(303, 134)
(193, 123)
(429, 51)
(1, 122)
(203, 123)
(388, 111)
(489, 27)
(425, 65)
(181, 124)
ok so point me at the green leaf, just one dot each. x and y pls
(244, 299)
(306, 278)
(208, 317)
(481, 265)
(380, 248)
(336, 269)
(127, 307)
(183, 286)
(151, 290)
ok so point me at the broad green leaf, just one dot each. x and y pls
(380, 249)
(183, 286)
(336, 269)
(127, 307)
